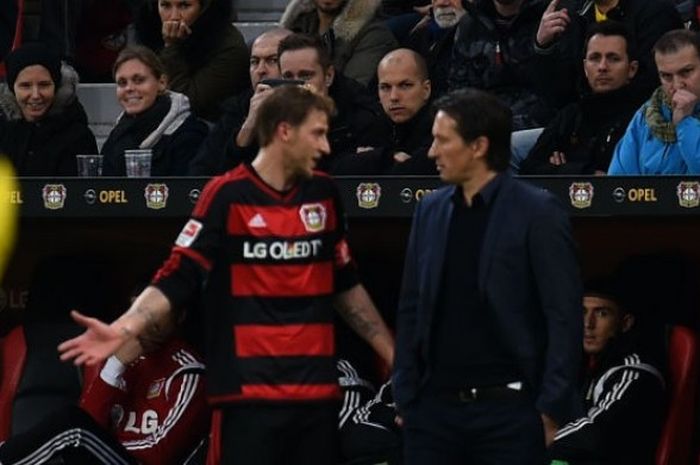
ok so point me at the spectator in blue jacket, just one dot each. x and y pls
(664, 135)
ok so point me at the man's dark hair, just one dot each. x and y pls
(478, 113)
(609, 28)
(673, 41)
(610, 288)
(303, 41)
(288, 104)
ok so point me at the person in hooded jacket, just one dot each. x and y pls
(205, 56)
(153, 118)
(43, 125)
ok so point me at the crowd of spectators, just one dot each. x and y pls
(535, 55)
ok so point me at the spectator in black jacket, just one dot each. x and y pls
(232, 140)
(582, 136)
(433, 37)
(623, 389)
(404, 92)
(561, 33)
(357, 122)
(153, 118)
(492, 50)
(43, 125)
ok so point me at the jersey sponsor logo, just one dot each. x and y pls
(155, 388)
(148, 423)
(189, 233)
(54, 196)
(688, 194)
(156, 196)
(368, 195)
(257, 221)
(282, 250)
(313, 215)
(581, 194)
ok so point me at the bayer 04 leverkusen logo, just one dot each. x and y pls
(54, 196)
(581, 194)
(368, 195)
(156, 196)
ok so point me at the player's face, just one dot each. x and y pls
(454, 158)
(602, 320)
(308, 142)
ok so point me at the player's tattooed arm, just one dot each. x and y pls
(358, 311)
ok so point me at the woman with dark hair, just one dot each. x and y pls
(153, 117)
(204, 54)
(42, 124)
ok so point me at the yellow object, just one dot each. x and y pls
(8, 212)
(599, 15)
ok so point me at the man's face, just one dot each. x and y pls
(602, 320)
(455, 159)
(679, 70)
(402, 93)
(263, 60)
(303, 64)
(306, 144)
(330, 7)
(447, 13)
(607, 65)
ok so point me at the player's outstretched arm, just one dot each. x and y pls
(147, 315)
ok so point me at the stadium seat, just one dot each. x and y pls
(33, 380)
(19, 29)
(675, 445)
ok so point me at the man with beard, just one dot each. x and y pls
(353, 36)
(433, 38)
(492, 48)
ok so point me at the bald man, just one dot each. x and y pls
(404, 92)
(231, 141)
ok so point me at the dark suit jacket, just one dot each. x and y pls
(528, 276)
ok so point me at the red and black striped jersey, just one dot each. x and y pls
(269, 264)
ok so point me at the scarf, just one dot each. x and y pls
(661, 128)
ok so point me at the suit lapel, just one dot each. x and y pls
(439, 230)
(497, 221)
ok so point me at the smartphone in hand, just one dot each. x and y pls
(282, 82)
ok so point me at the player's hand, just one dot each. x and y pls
(683, 103)
(553, 23)
(174, 31)
(98, 342)
(557, 158)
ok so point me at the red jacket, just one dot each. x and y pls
(159, 411)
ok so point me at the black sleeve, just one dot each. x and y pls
(626, 415)
(8, 21)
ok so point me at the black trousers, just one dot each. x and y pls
(288, 434)
(480, 432)
(70, 434)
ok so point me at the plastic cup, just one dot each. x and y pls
(138, 163)
(89, 166)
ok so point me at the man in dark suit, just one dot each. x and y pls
(489, 323)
